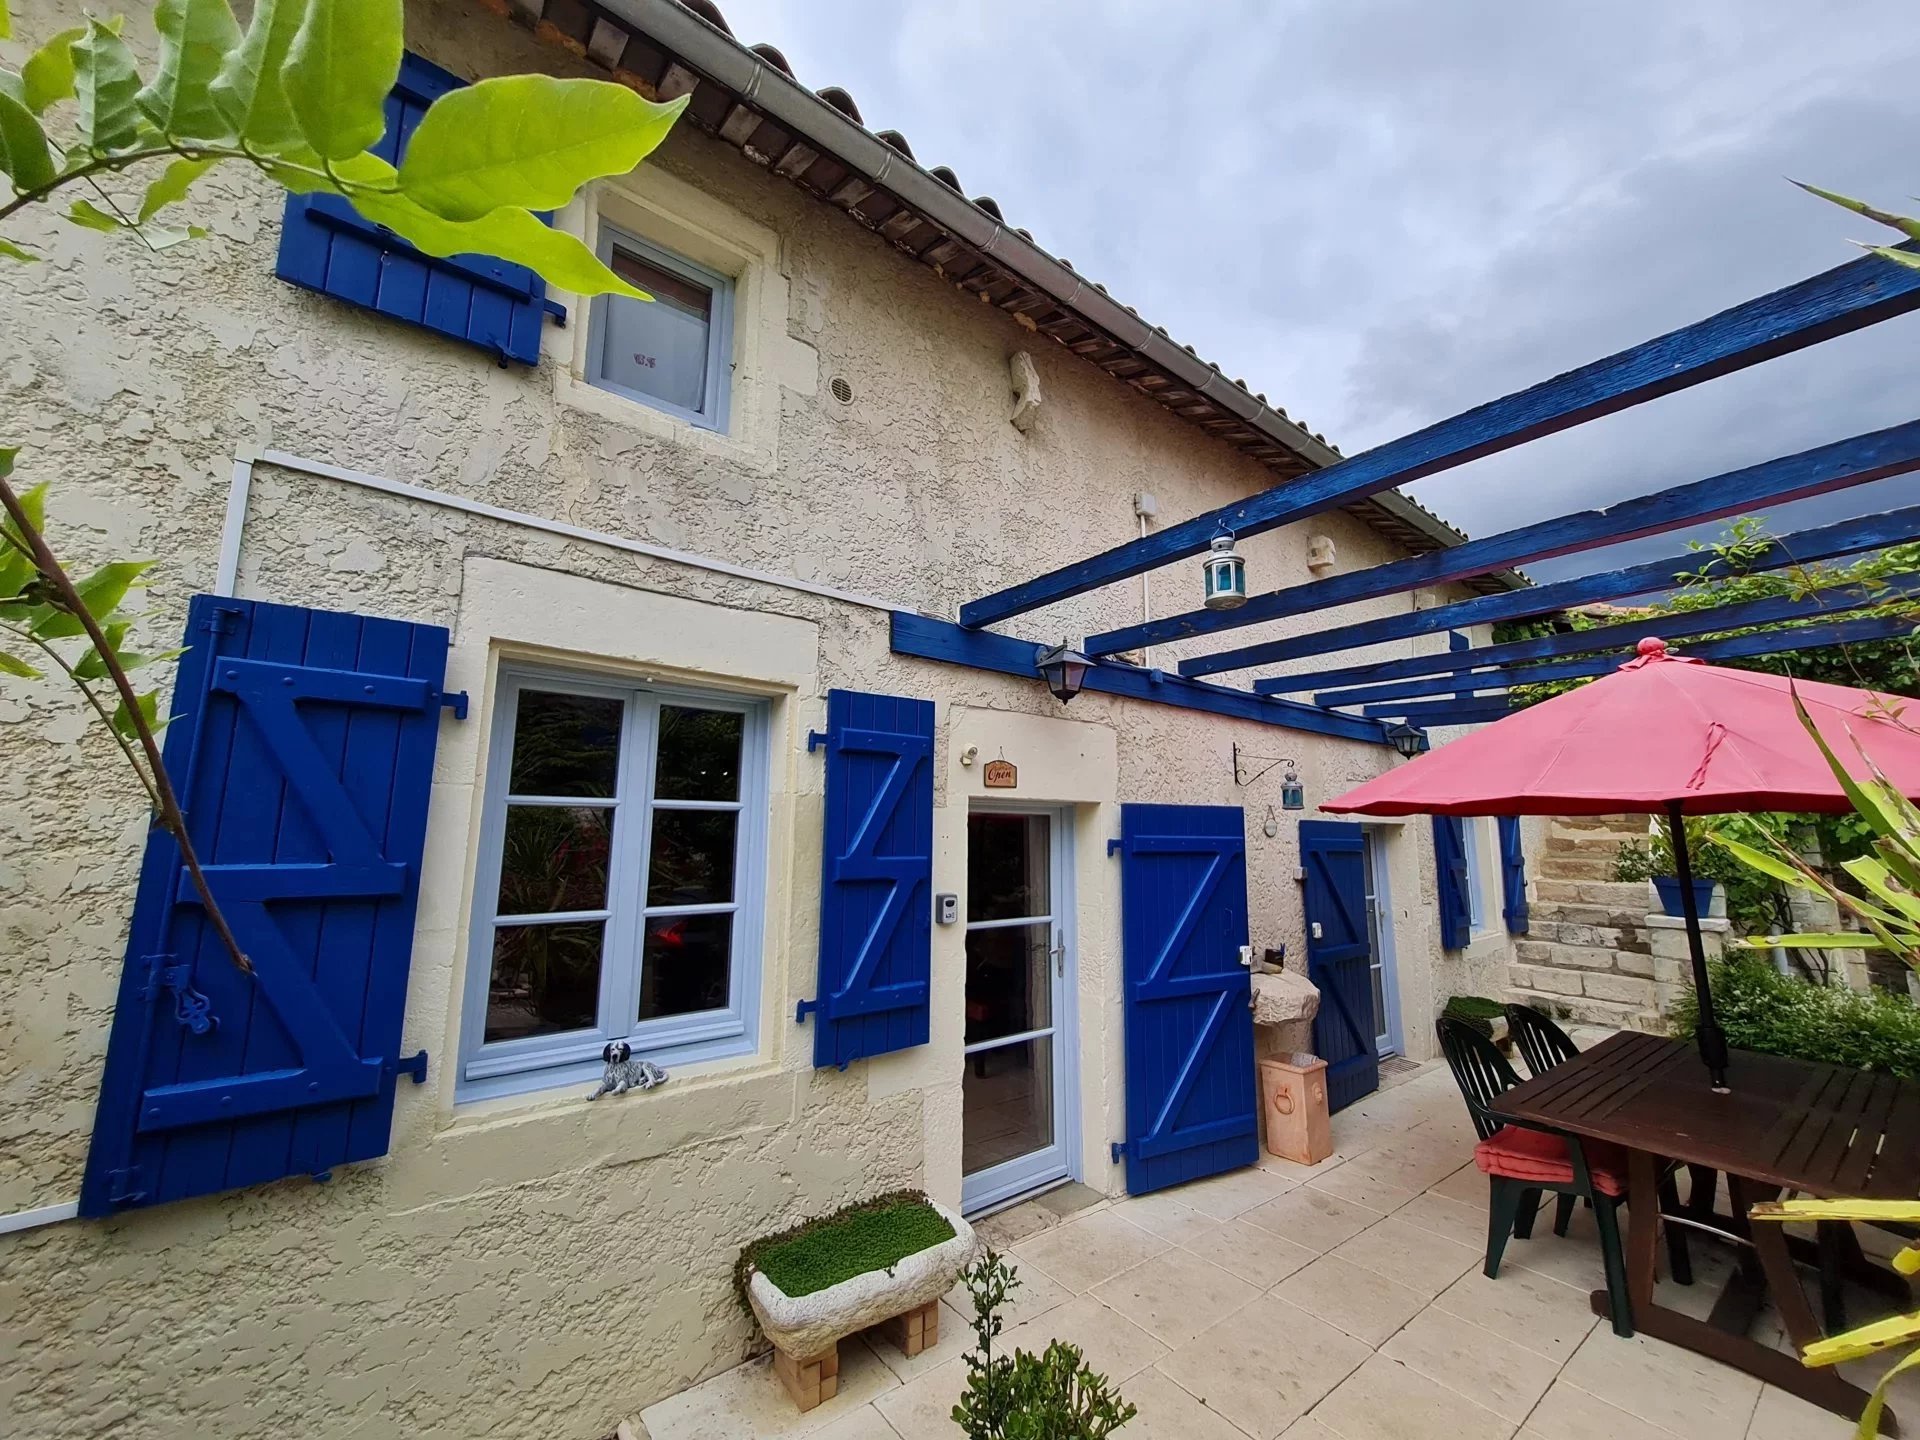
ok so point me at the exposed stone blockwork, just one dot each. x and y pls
(1589, 954)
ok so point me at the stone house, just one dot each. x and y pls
(618, 578)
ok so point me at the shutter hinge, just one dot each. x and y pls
(191, 1009)
(1119, 1150)
(815, 739)
(801, 1010)
(456, 701)
(221, 620)
(126, 1187)
(558, 311)
(414, 1065)
(1113, 846)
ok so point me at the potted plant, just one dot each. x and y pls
(884, 1261)
(1652, 859)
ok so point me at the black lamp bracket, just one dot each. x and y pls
(1242, 759)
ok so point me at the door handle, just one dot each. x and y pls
(1316, 932)
(1246, 956)
(1059, 952)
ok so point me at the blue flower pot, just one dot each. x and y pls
(1667, 887)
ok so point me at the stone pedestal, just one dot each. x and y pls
(1284, 1004)
(1671, 958)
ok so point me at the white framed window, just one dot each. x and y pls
(621, 867)
(674, 352)
(1475, 844)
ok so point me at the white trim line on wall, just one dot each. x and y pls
(45, 1215)
(233, 532)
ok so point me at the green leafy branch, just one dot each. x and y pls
(299, 95)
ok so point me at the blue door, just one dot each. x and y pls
(1340, 958)
(1191, 1106)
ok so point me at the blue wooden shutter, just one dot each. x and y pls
(1450, 862)
(1191, 1103)
(876, 883)
(328, 246)
(302, 747)
(1340, 958)
(1513, 875)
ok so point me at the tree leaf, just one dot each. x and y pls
(48, 74)
(172, 186)
(6, 22)
(248, 89)
(507, 233)
(23, 146)
(1899, 257)
(149, 710)
(105, 81)
(527, 140)
(14, 665)
(91, 666)
(1909, 228)
(1838, 940)
(11, 251)
(343, 60)
(90, 215)
(195, 36)
(102, 592)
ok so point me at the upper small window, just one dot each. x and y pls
(673, 352)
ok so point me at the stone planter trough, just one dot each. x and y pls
(806, 1331)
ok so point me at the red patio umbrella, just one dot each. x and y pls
(1663, 734)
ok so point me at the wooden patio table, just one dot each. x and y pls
(1820, 1130)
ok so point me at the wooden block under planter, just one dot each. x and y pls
(915, 1330)
(809, 1381)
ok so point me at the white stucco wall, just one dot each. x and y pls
(531, 1266)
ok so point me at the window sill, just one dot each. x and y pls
(585, 1074)
(570, 389)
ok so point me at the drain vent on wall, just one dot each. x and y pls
(842, 391)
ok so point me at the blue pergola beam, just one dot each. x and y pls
(1855, 461)
(1836, 302)
(1773, 642)
(942, 640)
(1844, 537)
(1681, 623)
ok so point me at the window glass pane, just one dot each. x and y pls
(658, 347)
(699, 754)
(684, 968)
(1006, 1104)
(554, 858)
(1007, 868)
(545, 980)
(692, 859)
(566, 744)
(1009, 981)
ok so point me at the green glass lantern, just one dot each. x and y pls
(1226, 575)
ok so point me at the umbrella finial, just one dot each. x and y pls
(1652, 646)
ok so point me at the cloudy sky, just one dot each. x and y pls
(1381, 212)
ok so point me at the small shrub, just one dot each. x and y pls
(1054, 1396)
(1761, 1009)
(871, 1235)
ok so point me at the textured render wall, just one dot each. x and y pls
(536, 1267)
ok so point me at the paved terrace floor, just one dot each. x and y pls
(1342, 1302)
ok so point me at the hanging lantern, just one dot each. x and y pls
(1408, 741)
(1064, 669)
(1226, 575)
(1293, 795)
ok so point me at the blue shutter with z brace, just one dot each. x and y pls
(328, 246)
(1450, 863)
(876, 883)
(302, 749)
(1513, 875)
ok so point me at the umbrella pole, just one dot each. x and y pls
(1712, 1039)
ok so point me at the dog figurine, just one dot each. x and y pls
(625, 1073)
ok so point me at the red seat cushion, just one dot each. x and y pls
(1542, 1159)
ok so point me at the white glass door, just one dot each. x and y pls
(1019, 1059)
(1386, 987)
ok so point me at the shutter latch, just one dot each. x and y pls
(191, 1009)
(414, 1065)
(803, 1009)
(1120, 1149)
(456, 701)
(815, 739)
